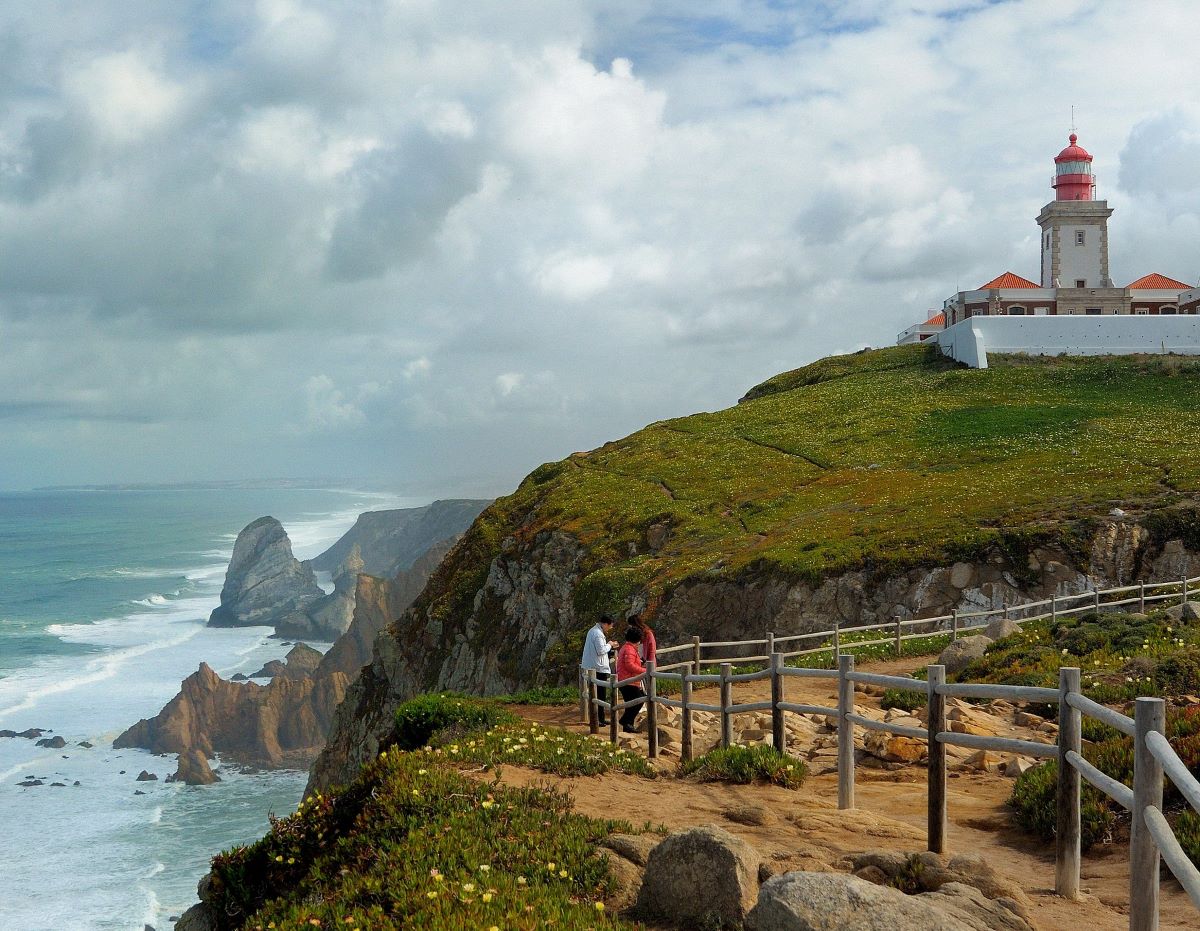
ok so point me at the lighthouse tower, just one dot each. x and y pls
(1074, 225)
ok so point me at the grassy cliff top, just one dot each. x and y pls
(888, 458)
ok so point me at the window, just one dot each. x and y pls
(1047, 240)
(1081, 282)
(1016, 311)
(1093, 311)
(1167, 310)
(1080, 237)
(1142, 311)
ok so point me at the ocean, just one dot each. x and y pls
(103, 599)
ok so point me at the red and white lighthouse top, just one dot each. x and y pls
(1073, 178)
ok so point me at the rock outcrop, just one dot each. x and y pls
(265, 584)
(301, 660)
(958, 655)
(277, 725)
(194, 770)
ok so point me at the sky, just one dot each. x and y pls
(431, 245)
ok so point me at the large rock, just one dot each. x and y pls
(958, 655)
(301, 660)
(1000, 627)
(837, 902)
(265, 584)
(194, 770)
(701, 877)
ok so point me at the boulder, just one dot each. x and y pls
(961, 574)
(8, 733)
(32, 733)
(85, 744)
(958, 655)
(1190, 611)
(194, 770)
(837, 902)
(264, 584)
(755, 815)
(145, 776)
(1001, 627)
(893, 748)
(700, 877)
(53, 743)
(625, 878)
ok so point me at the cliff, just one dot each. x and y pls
(389, 541)
(864, 486)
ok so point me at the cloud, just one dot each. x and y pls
(448, 241)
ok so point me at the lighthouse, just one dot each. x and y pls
(1074, 225)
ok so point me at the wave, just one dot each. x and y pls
(152, 601)
(155, 818)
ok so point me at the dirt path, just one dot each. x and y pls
(810, 832)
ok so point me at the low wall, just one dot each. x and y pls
(970, 340)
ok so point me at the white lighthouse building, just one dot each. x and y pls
(1075, 281)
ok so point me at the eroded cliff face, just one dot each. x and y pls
(521, 626)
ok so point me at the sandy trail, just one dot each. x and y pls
(809, 830)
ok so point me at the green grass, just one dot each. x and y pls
(542, 695)
(414, 844)
(744, 765)
(883, 460)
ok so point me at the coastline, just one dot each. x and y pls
(116, 858)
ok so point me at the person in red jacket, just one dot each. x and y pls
(648, 648)
(629, 664)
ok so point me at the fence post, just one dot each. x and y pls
(1149, 715)
(685, 713)
(726, 703)
(1066, 852)
(898, 644)
(695, 656)
(845, 732)
(1141, 597)
(837, 639)
(1053, 608)
(1006, 609)
(770, 643)
(651, 711)
(936, 723)
(778, 735)
(583, 695)
(593, 708)
(1184, 597)
(1096, 600)
(613, 701)
(954, 624)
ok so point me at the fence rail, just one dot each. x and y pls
(1151, 837)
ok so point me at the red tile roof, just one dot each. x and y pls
(936, 320)
(1159, 282)
(1008, 280)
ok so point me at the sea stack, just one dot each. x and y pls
(265, 584)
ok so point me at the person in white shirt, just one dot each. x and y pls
(596, 647)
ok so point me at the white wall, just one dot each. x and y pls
(971, 340)
(1079, 262)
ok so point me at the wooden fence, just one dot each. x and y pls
(1151, 837)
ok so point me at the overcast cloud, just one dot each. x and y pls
(437, 243)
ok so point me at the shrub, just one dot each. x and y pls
(418, 719)
(1187, 832)
(903, 699)
(744, 765)
(1035, 809)
(413, 844)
